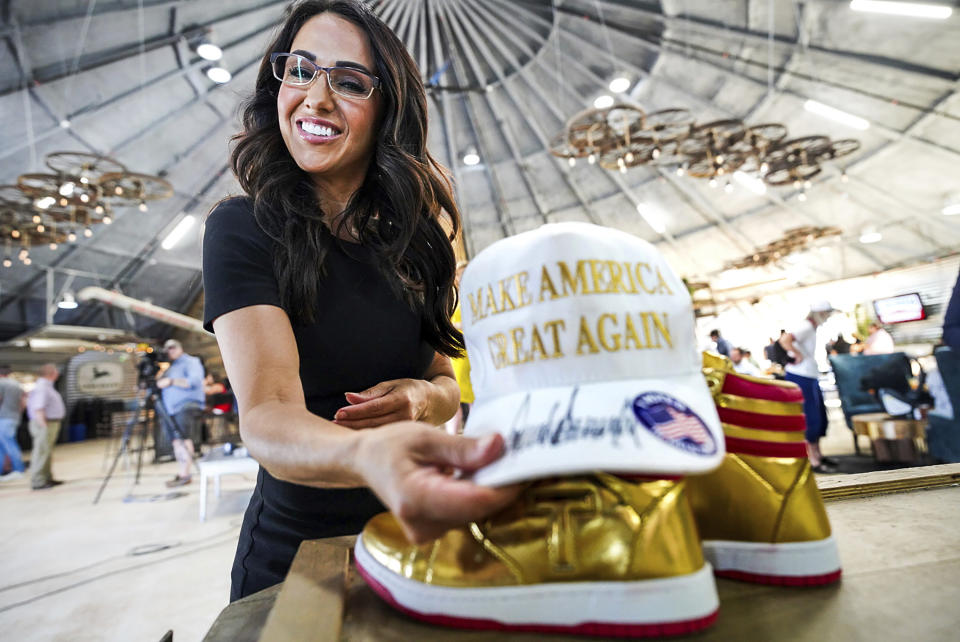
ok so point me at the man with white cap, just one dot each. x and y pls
(183, 398)
(801, 344)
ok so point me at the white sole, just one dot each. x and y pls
(668, 602)
(788, 560)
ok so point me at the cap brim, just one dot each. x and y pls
(618, 427)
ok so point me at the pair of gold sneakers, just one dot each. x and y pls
(602, 554)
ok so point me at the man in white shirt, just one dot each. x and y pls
(46, 410)
(879, 341)
(741, 364)
(801, 344)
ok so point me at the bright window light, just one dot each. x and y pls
(652, 217)
(602, 102)
(178, 232)
(209, 51)
(836, 115)
(219, 75)
(870, 236)
(752, 183)
(620, 84)
(915, 10)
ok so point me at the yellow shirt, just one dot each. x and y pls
(461, 367)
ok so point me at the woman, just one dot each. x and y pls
(330, 288)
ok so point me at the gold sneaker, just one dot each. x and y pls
(592, 555)
(760, 514)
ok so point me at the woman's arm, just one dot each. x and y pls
(433, 399)
(401, 462)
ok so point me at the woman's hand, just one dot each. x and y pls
(389, 401)
(405, 466)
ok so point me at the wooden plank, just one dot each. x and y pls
(881, 482)
(243, 620)
(309, 607)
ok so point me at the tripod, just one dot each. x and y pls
(147, 395)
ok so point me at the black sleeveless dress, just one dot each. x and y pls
(364, 334)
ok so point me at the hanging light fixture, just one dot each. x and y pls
(68, 301)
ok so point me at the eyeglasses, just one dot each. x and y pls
(296, 71)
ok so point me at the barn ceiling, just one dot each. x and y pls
(120, 78)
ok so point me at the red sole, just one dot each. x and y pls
(782, 580)
(586, 628)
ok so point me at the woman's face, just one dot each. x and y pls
(345, 154)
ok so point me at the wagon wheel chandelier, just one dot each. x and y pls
(793, 240)
(624, 136)
(80, 192)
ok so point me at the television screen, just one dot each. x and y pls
(900, 309)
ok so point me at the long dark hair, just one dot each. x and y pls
(397, 209)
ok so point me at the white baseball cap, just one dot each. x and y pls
(583, 356)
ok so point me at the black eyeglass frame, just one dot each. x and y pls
(316, 72)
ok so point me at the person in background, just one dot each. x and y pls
(839, 345)
(183, 398)
(11, 407)
(801, 344)
(741, 364)
(45, 410)
(723, 346)
(879, 341)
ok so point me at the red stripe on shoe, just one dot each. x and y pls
(586, 628)
(788, 423)
(782, 580)
(765, 448)
(734, 385)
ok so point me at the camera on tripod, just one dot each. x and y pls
(148, 368)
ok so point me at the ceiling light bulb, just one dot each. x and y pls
(37, 218)
(7, 262)
(471, 158)
(629, 157)
(53, 246)
(65, 124)
(619, 84)
(84, 180)
(802, 196)
(68, 302)
(844, 178)
(655, 154)
(15, 234)
(118, 190)
(41, 228)
(623, 169)
(764, 167)
(680, 170)
(67, 188)
(98, 209)
(23, 254)
(219, 75)
(63, 202)
(209, 51)
(107, 220)
(870, 236)
(71, 237)
(571, 161)
(27, 261)
(807, 184)
(84, 198)
(728, 188)
(592, 158)
(720, 171)
(87, 232)
(142, 206)
(45, 202)
(719, 159)
(620, 162)
(604, 101)
(713, 182)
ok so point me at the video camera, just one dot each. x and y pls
(148, 367)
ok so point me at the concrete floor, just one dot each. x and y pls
(69, 572)
(69, 569)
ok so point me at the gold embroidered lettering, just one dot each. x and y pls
(602, 333)
(546, 283)
(554, 327)
(586, 338)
